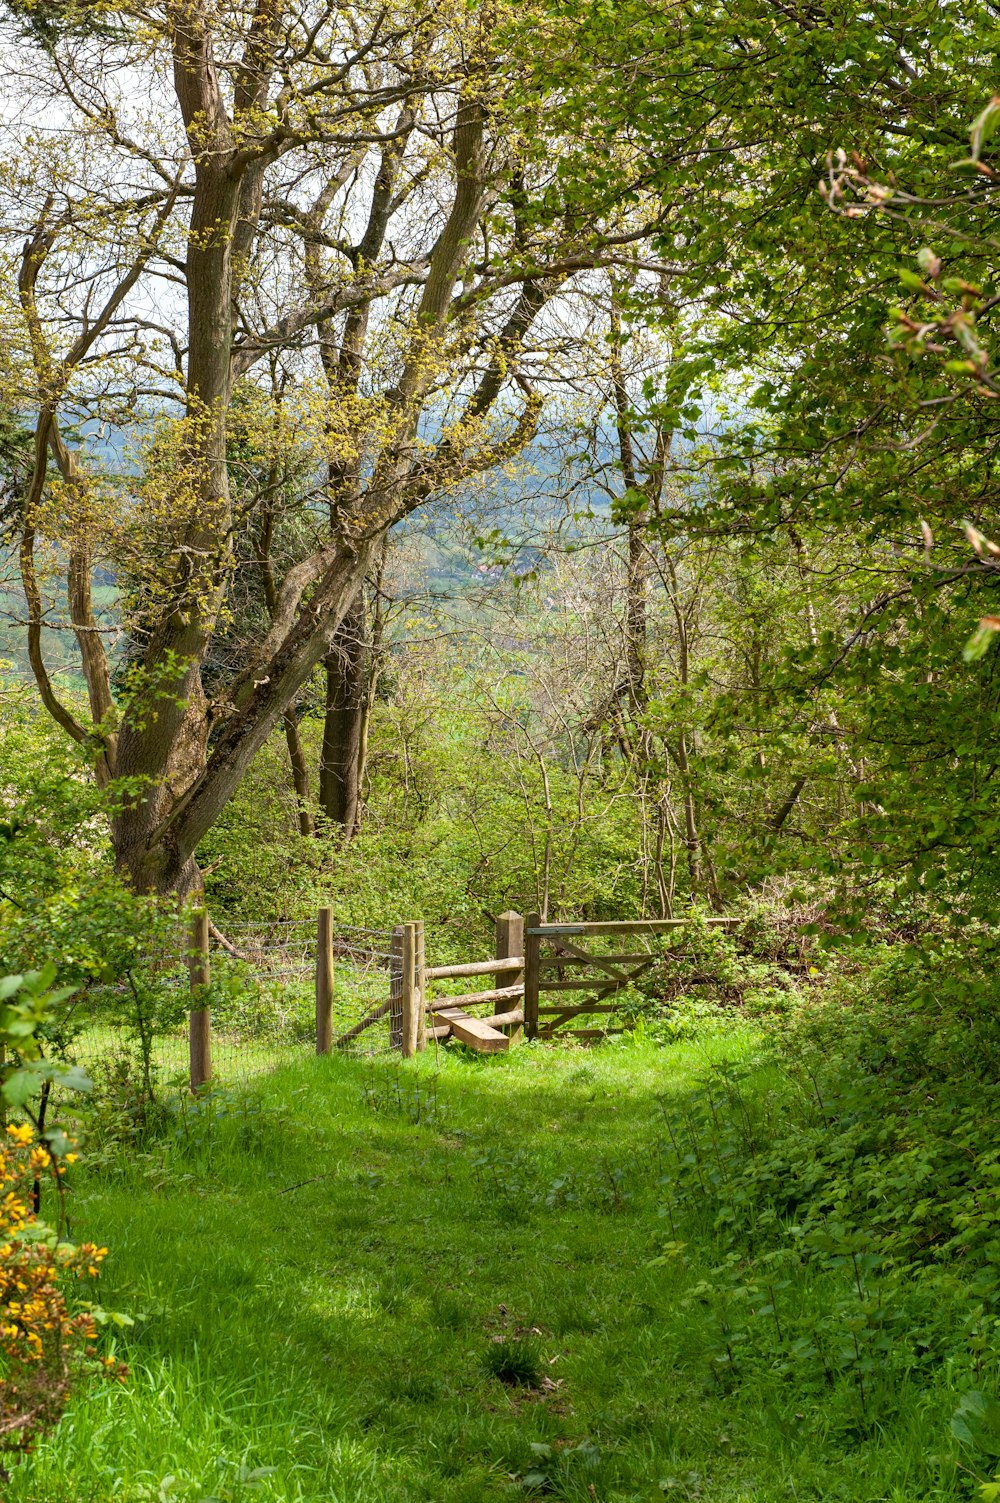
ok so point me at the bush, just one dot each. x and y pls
(43, 1341)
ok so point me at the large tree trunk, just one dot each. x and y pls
(157, 832)
(177, 757)
(346, 698)
(162, 744)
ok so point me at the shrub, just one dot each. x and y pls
(43, 1341)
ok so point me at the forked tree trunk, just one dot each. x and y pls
(157, 830)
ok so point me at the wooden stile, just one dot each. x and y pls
(532, 944)
(475, 1032)
(324, 981)
(200, 1018)
(522, 971)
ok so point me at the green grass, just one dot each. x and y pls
(449, 1283)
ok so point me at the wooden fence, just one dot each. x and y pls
(533, 965)
(601, 977)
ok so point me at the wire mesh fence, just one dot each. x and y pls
(262, 1000)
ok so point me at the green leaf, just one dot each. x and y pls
(976, 1422)
(979, 642)
(984, 126)
(19, 1087)
(73, 1078)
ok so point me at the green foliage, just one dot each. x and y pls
(29, 1008)
(341, 1229)
(49, 21)
(60, 899)
(866, 1173)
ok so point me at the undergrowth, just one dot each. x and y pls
(755, 1264)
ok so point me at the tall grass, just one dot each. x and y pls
(331, 1281)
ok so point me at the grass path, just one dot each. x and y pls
(319, 1285)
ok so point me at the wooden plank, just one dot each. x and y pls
(441, 1031)
(475, 967)
(469, 999)
(366, 1022)
(572, 962)
(474, 1032)
(624, 926)
(575, 1009)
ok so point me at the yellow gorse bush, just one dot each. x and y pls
(42, 1339)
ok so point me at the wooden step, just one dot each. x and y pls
(514, 1018)
(473, 1031)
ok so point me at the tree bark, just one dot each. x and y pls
(179, 757)
(300, 773)
(162, 744)
(346, 696)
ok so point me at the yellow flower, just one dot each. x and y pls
(21, 1133)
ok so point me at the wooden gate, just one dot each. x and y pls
(565, 948)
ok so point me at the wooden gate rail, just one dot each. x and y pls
(616, 971)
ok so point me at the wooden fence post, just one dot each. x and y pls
(420, 986)
(324, 981)
(410, 996)
(396, 989)
(200, 1018)
(532, 944)
(510, 941)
